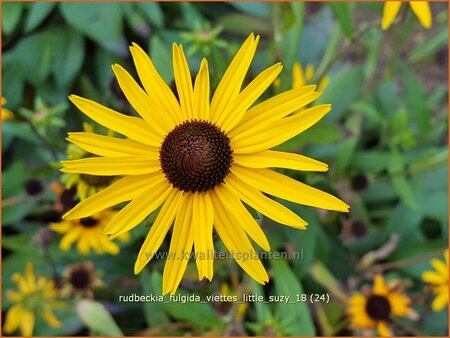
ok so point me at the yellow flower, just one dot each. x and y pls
(6, 113)
(420, 8)
(88, 233)
(374, 310)
(300, 77)
(199, 160)
(86, 185)
(439, 281)
(35, 296)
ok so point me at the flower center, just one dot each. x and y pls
(378, 307)
(80, 279)
(96, 181)
(359, 228)
(88, 222)
(196, 156)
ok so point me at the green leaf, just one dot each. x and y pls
(403, 221)
(11, 14)
(261, 9)
(429, 46)
(160, 53)
(343, 13)
(38, 13)
(100, 21)
(153, 12)
(68, 60)
(153, 311)
(13, 179)
(291, 38)
(295, 317)
(402, 186)
(244, 24)
(97, 318)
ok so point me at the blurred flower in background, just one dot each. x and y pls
(420, 8)
(34, 297)
(88, 233)
(80, 280)
(372, 310)
(439, 282)
(6, 113)
(302, 77)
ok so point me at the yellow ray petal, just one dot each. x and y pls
(276, 108)
(271, 134)
(158, 230)
(203, 220)
(180, 246)
(254, 198)
(433, 277)
(422, 11)
(201, 93)
(287, 188)
(13, 319)
(390, 11)
(441, 301)
(440, 267)
(183, 81)
(27, 323)
(231, 82)
(69, 238)
(309, 72)
(234, 206)
(51, 319)
(238, 106)
(139, 208)
(112, 166)
(323, 84)
(111, 146)
(122, 190)
(157, 120)
(383, 329)
(298, 77)
(108, 245)
(399, 304)
(130, 126)
(278, 159)
(237, 243)
(379, 287)
(154, 84)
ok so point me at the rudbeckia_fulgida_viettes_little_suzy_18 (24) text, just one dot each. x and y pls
(199, 159)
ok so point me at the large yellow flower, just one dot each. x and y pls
(420, 8)
(372, 311)
(199, 160)
(88, 233)
(439, 281)
(35, 296)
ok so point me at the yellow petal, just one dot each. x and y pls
(158, 121)
(158, 230)
(271, 134)
(29, 276)
(231, 82)
(83, 190)
(122, 190)
(203, 220)
(108, 245)
(399, 304)
(422, 11)
(390, 11)
(434, 277)
(130, 126)
(309, 73)
(139, 208)
(238, 106)
(154, 84)
(383, 329)
(69, 238)
(113, 166)
(323, 84)
(380, 288)
(278, 159)
(275, 108)
(180, 246)
(201, 93)
(263, 204)
(441, 300)
(298, 77)
(287, 188)
(233, 205)
(13, 319)
(27, 323)
(440, 267)
(111, 146)
(237, 243)
(183, 81)
(51, 319)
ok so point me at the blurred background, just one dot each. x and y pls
(386, 142)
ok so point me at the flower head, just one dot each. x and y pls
(80, 279)
(374, 309)
(420, 8)
(87, 232)
(439, 281)
(200, 160)
(35, 296)
(6, 113)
